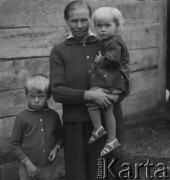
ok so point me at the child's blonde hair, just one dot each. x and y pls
(107, 12)
(40, 82)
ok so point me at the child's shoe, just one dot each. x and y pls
(110, 146)
(97, 134)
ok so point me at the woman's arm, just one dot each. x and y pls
(100, 96)
(61, 93)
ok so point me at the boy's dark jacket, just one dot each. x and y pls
(34, 135)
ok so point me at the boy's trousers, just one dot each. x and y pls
(46, 173)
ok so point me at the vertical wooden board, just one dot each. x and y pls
(141, 105)
(6, 126)
(144, 81)
(139, 36)
(5, 146)
(14, 102)
(14, 72)
(143, 58)
(162, 56)
(140, 12)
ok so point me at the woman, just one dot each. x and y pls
(69, 74)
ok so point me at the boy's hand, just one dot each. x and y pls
(53, 152)
(32, 169)
(98, 58)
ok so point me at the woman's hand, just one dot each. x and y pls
(32, 170)
(99, 96)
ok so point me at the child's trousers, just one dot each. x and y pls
(46, 173)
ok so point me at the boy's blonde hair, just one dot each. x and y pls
(107, 12)
(40, 82)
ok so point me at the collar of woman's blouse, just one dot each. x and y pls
(71, 40)
(90, 33)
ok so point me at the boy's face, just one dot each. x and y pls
(105, 28)
(36, 100)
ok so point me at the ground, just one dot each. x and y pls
(149, 143)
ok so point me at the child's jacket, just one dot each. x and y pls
(34, 135)
(114, 70)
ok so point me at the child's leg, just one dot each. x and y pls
(110, 118)
(95, 118)
(95, 115)
(99, 130)
(110, 123)
(112, 143)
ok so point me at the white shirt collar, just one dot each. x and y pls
(89, 34)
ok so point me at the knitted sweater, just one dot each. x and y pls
(34, 135)
(69, 75)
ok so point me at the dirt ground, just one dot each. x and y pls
(149, 143)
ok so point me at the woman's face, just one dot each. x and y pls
(79, 22)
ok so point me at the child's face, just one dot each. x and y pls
(105, 28)
(36, 100)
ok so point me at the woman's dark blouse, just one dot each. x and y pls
(69, 75)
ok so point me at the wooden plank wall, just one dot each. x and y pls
(30, 28)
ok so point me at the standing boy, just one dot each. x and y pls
(37, 132)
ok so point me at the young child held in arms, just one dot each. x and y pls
(110, 70)
(37, 132)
